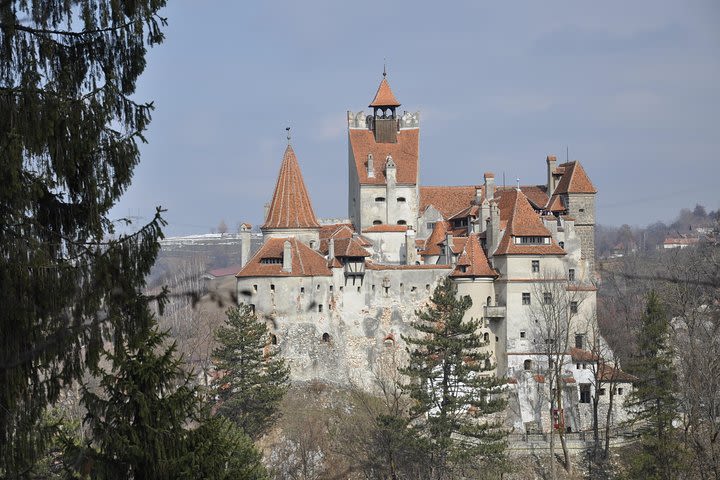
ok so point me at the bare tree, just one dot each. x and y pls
(556, 310)
(222, 227)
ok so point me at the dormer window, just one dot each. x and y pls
(268, 261)
(532, 240)
(379, 199)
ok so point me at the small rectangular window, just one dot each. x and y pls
(601, 391)
(255, 288)
(547, 298)
(522, 333)
(358, 289)
(302, 290)
(577, 366)
(620, 391)
(571, 274)
(573, 307)
(320, 308)
(584, 393)
(536, 266)
(272, 287)
(341, 288)
(579, 341)
(252, 309)
(430, 225)
(318, 287)
(526, 298)
(331, 289)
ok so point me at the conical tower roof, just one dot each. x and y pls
(291, 207)
(384, 96)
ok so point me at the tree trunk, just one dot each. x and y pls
(596, 427)
(608, 420)
(553, 470)
(563, 441)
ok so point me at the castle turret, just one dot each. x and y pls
(291, 213)
(578, 194)
(384, 122)
(382, 192)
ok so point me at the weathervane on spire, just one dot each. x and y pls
(287, 129)
(384, 68)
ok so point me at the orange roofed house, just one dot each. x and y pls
(339, 296)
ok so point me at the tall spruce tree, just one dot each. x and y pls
(252, 378)
(69, 133)
(453, 396)
(148, 421)
(653, 399)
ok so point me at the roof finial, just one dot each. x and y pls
(518, 184)
(384, 68)
(287, 129)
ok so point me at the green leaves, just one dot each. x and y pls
(252, 378)
(453, 396)
(68, 147)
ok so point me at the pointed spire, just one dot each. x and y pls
(290, 207)
(384, 96)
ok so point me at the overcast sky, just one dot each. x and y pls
(632, 88)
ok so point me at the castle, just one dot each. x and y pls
(338, 296)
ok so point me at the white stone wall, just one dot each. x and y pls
(357, 318)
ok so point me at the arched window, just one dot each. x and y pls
(401, 199)
(326, 337)
(379, 199)
(273, 339)
(489, 301)
(377, 222)
(527, 365)
(401, 222)
(486, 337)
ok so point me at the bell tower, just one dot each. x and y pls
(383, 121)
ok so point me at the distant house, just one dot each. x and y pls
(682, 241)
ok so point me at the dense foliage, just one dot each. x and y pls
(69, 133)
(653, 399)
(147, 421)
(453, 389)
(252, 378)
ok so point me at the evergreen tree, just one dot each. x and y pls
(141, 423)
(653, 399)
(452, 394)
(68, 147)
(252, 377)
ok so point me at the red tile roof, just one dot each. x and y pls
(290, 207)
(436, 238)
(306, 262)
(404, 154)
(384, 96)
(581, 355)
(349, 247)
(373, 266)
(386, 228)
(523, 220)
(574, 180)
(447, 200)
(556, 204)
(473, 260)
(608, 373)
(536, 194)
(336, 231)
